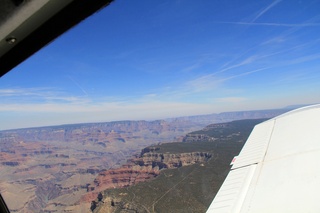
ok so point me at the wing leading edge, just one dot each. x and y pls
(277, 169)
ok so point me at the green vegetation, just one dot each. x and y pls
(185, 189)
(232, 131)
(175, 148)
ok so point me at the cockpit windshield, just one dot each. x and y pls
(142, 106)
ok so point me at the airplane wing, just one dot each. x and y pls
(277, 170)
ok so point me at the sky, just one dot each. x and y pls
(145, 60)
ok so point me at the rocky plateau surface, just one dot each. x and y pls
(142, 168)
(64, 160)
(67, 158)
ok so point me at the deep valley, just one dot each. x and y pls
(64, 168)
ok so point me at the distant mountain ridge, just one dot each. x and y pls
(64, 159)
(184, 121)
(230, 116)
(167, 130)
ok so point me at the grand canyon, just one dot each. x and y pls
(70, 168)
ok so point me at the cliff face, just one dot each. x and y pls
(95, 132)
(166, 160)
(122, 177)
(143, 168)
(82, 151)
(184, 189)
(234, 130)
(180, 189)
(197, 137)
(72, 155)
(125, 130)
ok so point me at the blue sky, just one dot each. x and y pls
(157, 59)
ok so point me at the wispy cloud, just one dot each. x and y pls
(244, 62)
(11, 92)
(78, 85)
(232, 100)
(266, 9)
(203, 83)
(43, 95)
(294, 77)
(274, 40)
(238, 56)
(273, 24)
(206, 86)
(192, 67)
(246, 73)
(304, 59)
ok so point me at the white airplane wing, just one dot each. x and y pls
(277, 170)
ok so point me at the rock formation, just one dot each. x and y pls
(71, 156)
(143, 168)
